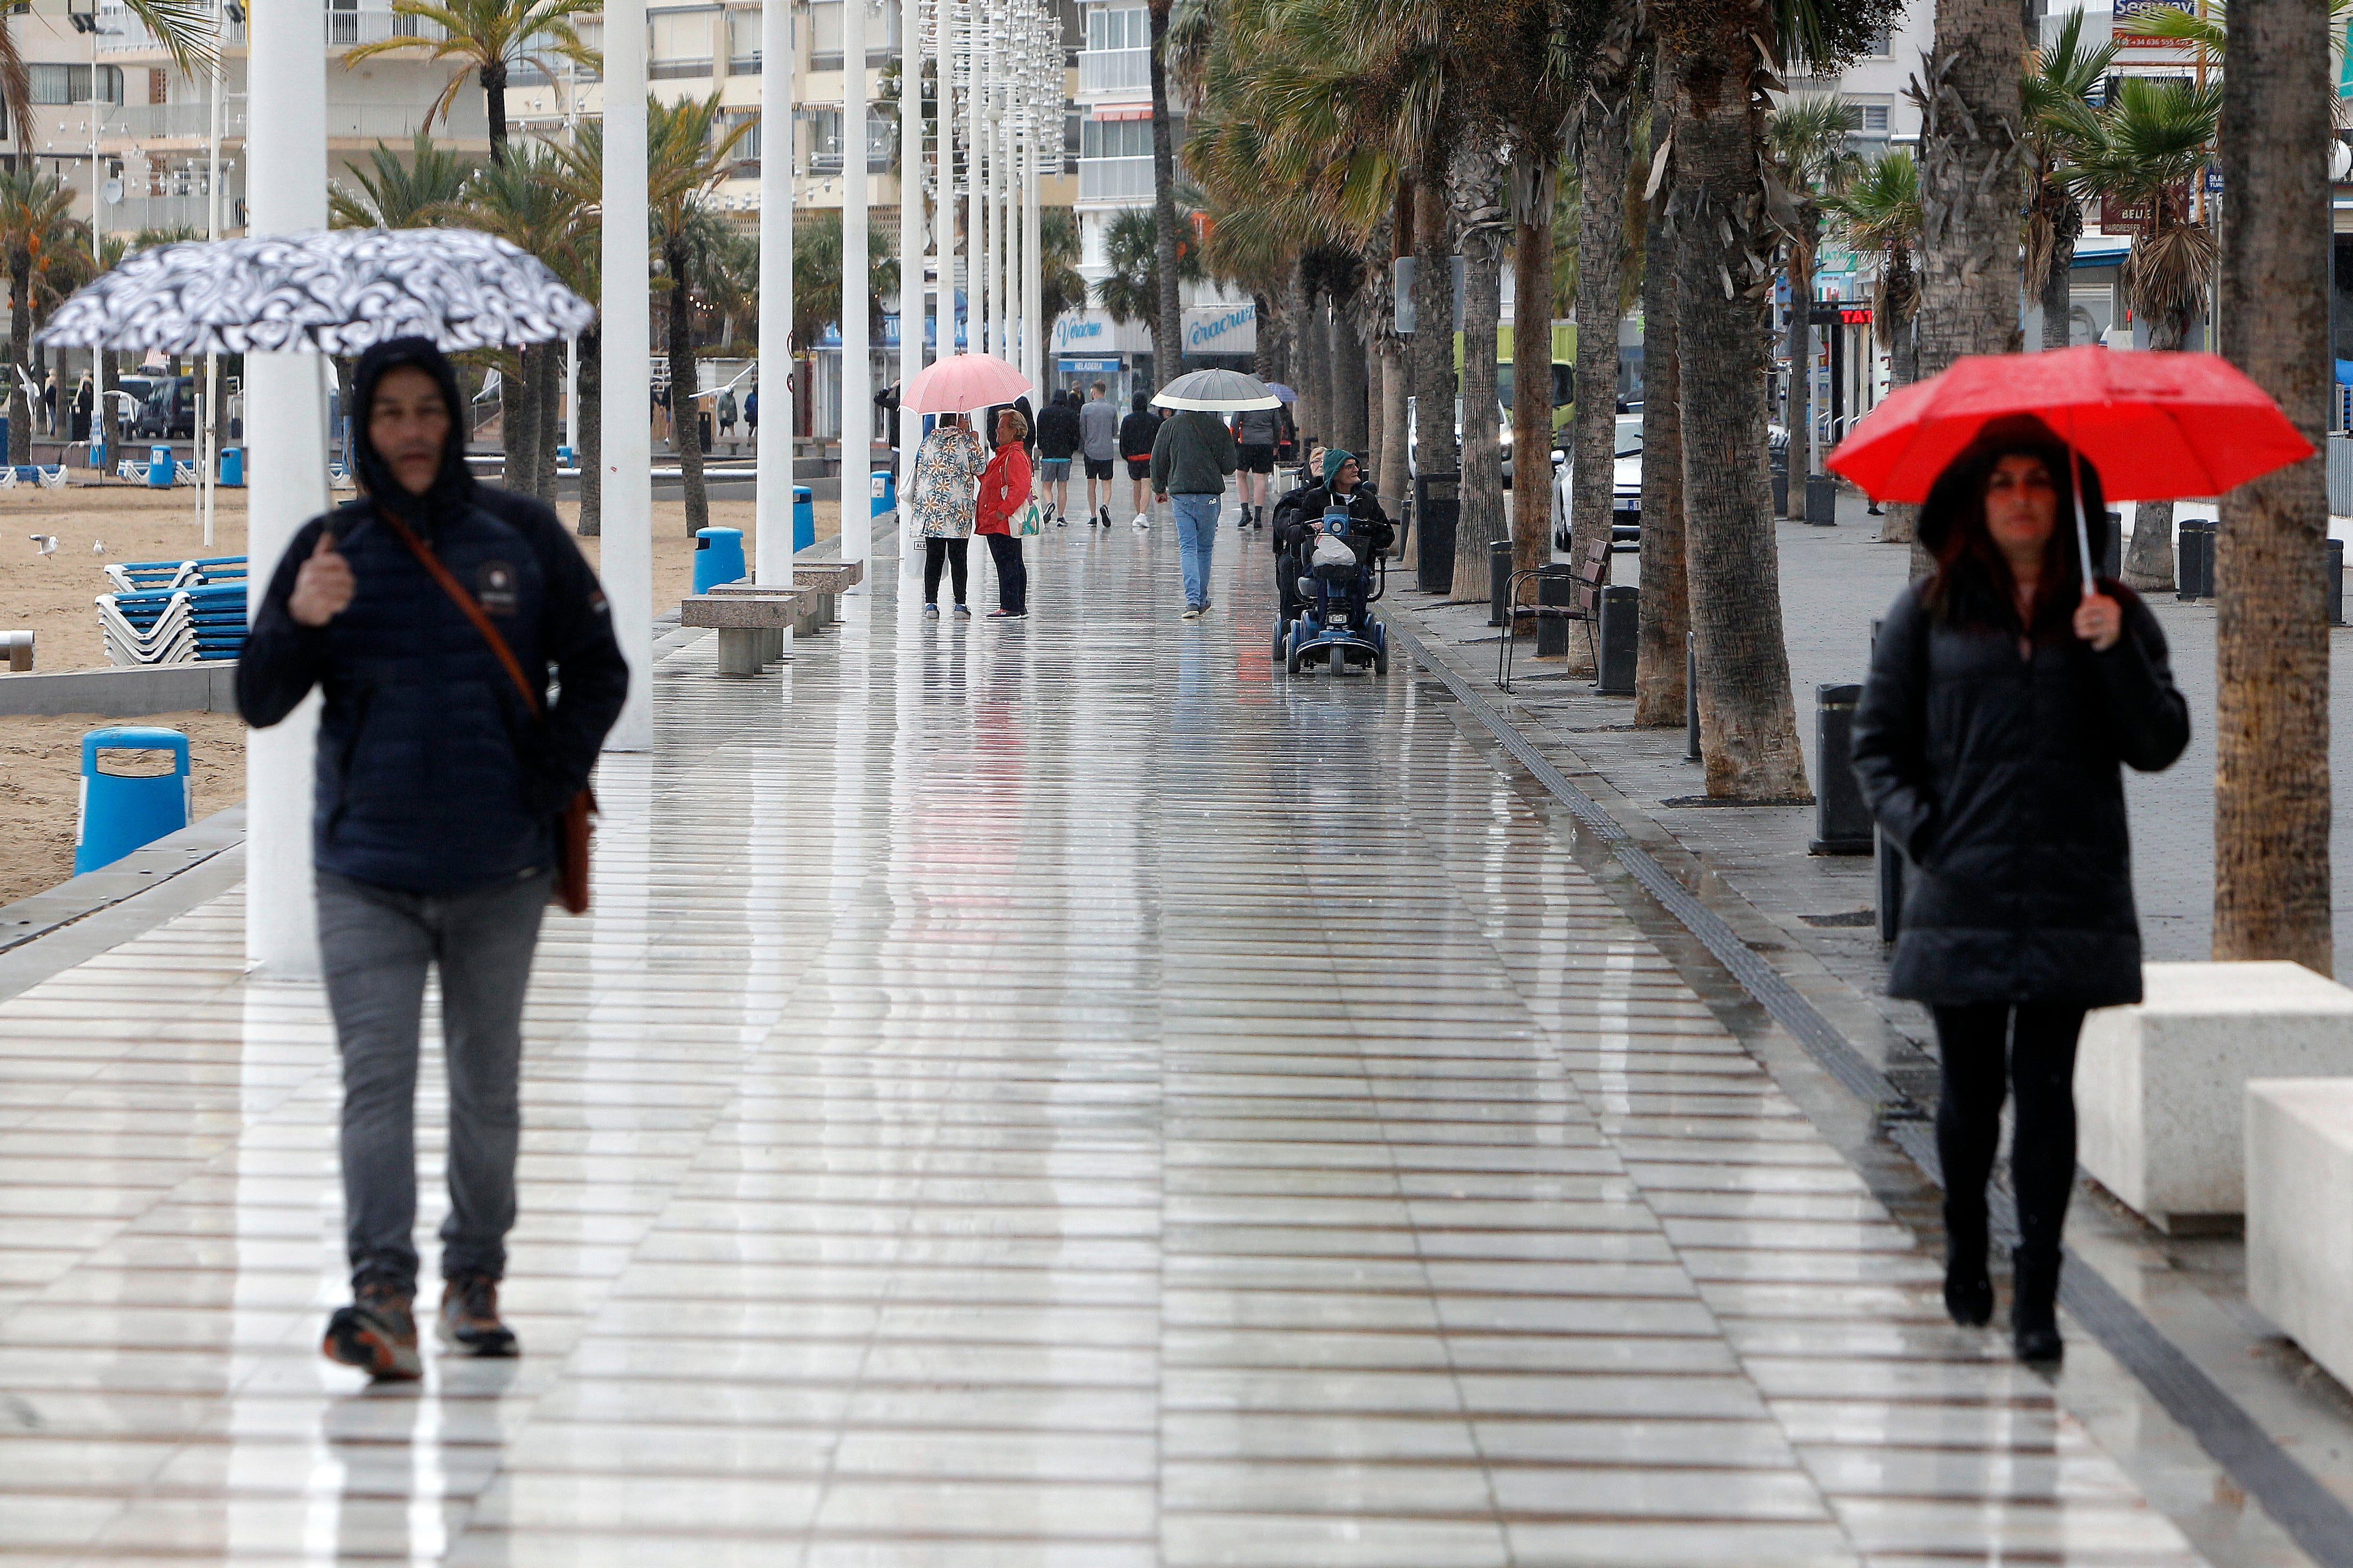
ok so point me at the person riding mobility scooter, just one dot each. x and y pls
(1330, 542)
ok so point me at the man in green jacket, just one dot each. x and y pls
(1191, 459)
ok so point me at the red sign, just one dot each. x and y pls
(2118, 213)
(1855, 315)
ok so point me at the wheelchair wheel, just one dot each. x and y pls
(1381, 662)
(1290, 651)
(1282, 635)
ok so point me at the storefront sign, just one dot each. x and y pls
(1221, 329)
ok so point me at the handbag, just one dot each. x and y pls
(1028, 522)
(571, 888)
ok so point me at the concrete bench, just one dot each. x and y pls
(2299, 1141)
(751, 623)
(828, 579)
(2158, 1085)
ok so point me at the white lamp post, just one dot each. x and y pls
(856, 292)
(1041, 124)
(286, 425)
(944, 25)
(772, 505)
(911, 229)
(628, 414)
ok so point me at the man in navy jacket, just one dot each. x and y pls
(434, 827)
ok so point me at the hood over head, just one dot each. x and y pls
(454, 486)
(1142, 402)
(1333, 459)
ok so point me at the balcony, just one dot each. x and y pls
(1115, 179)
(1107, 71)
(135, 212)
(121, 33)
(148, 124)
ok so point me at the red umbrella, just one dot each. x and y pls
(2158, 425)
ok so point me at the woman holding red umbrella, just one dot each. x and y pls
(2003, 701)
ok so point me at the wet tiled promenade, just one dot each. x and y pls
(1032, 1095)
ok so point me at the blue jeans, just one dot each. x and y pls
(1196, 536)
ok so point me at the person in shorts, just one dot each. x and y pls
(1255, 430)
(1137, 434)
(1059, 435)
(1099, 446)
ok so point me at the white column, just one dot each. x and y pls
(945, 220)
(772, 504)
(1000, 143)
(857, 289)
(1033, 300)
(627, 413)
(910, 227)
(286, 425)
(976, 158)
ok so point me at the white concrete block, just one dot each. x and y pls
(2299, 1140)
(2158, 1085)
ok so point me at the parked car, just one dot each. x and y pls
(1502, 418)
(170, 411)
(1626, 479)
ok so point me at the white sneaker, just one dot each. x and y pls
(1142, 522)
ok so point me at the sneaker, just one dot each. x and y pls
(1192, 613)
(1008, 615)
(1103, 511)
(931, 612)
(1143, 523)
(376, 1333)
(963, 613)
(469, 1317)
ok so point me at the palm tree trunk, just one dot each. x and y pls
(1433, 331)
(1601, 254)
(1267, 356)
(1801, 369)
(1347, 380)
(1314, 374)
(1748, 722)
(519, 419)
(1170, 333)
(684, 425)
(494, 95)
(2066, 223)
(548, 401)
(2149, 564)
(1903, 524)
(1391, 478)
(1969, 184)
(20, 336)
(2271, 636)
(1660, 692)
(1532, 380)
(1482, 520)
(103, 418)
(591, 435)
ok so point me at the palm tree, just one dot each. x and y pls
(816, 274)
(580, 168)
(1060, 288)
(1879, 212)
(2272, 784)
(1807, 139)
(488, 37)
(690, 150)
(1130, 289)
(398, 195)
(1661, 661)
(1730, 218)
(35, 224)
(1971, 131)
(2059, 128)
(1167, 335)
(186, 29)
(2152, 138)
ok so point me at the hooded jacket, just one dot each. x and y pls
(1192, 454)
(432, 775)
(1057, 431)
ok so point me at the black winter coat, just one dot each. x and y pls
(1057, 431)
(1999, 776)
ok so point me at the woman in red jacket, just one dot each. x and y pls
(1004, 492)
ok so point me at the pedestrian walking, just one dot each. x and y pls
(1059, 435)
(941, 494)
(1099, 446)
(752, 413)
(1255, 431)
(1004, 492)
(727, 412)
(1137, 433)
(2002, 701)
(1192, 453)
(428, 612)
(49, 404)
(85, 402)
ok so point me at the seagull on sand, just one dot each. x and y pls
(48, 542)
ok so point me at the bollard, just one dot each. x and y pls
(20, 650)
(1691, 698)
(804, 517)
(1890, 876)
(2336, 582)
(1556, 585)
(2193, 561)
(885, 489)
(1499, 582)
(1619, 629)
(123, 811)
(1842, 821)
(2111, 553)
(1821, 501)
(718, 557)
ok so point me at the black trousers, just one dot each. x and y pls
(1012, 574)
(2029, 1049)
(950, 551)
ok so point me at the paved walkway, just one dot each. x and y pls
(1046, 1093)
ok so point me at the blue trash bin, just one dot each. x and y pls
(804, 517)
(119, 812)
(564, 456)
(97, 455)
(886, 491)
(232, 466)
(718, 557)
(159, 467)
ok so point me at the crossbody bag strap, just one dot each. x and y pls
(465, 602)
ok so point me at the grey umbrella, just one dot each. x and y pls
(338, 292)
(1217, 391)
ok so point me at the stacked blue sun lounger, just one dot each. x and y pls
(174, 612)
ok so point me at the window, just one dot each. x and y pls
(1116, 139)
(1121, 30)
(824, 35)
(743, 43)
(1874, 119)
(680, 45)
(824, 136)
(1882, 45)
(70, 84)
(747, 151)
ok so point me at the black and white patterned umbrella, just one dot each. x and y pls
(337, 292)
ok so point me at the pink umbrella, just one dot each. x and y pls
(961, 382)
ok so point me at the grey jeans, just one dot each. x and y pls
(374, 944)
